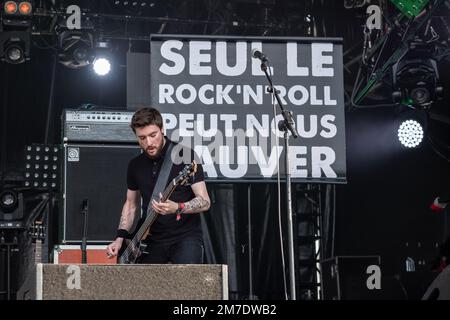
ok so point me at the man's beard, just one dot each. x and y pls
(158, 151)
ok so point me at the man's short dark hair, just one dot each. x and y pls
(146, 116)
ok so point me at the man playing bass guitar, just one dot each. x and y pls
(175, 235)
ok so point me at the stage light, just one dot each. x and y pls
(8, 200)
(25, 8)
(11, 209)
(416, 78)
(14, 54)
(135, 4)
(17, 15)
(410, 133)
(15, 46)
(42, 166)
(103, 57)
(416, 83)
(10, 7)
(76, 48)
(420, 95)
(102, 66)
(15, 31)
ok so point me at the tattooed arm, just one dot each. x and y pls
(201, 201)
(129, 210)
(126, 221)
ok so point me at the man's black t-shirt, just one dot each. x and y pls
(142, 174)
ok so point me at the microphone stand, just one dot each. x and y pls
(286, 125)
(84, 210)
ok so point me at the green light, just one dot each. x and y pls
(410, 8)
(407, 102)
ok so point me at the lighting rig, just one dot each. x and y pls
(400, 67)
(15, 31)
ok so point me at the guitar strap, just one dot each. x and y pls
(163, 176)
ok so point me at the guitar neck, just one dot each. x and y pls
(38, 252)
(168, 191)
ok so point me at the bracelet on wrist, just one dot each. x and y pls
(179, 210)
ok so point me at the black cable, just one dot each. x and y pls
(369, 106)
(358, 106)
(51, 100)
(407, 29)
(48, 45)
(356, 86)
(381, 52)
(37, 210)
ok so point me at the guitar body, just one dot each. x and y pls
(136, 250)
(134, 256)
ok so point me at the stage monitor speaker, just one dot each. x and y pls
(440, 287)
(96, 173)
(126, 282)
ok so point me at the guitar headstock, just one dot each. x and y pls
(37, 231)
(188, 171)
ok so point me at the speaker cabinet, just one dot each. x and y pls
(126, 282)
(96, 173)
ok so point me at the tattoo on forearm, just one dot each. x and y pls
(124, 223)
(198, 204)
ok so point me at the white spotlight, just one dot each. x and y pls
(410, 133)
(102, 66)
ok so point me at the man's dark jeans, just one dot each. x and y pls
(186, 251)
